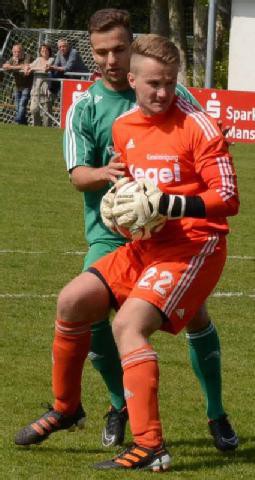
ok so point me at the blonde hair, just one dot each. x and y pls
(156, 46)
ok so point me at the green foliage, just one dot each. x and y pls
(40, 13)
(221, 73)
(41, 237)
(221, 58)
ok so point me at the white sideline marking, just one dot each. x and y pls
(54, 295)
(28, 295)
(240, 257)
(27, 252)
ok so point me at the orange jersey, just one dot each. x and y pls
(183, 152)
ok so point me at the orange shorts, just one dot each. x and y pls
(176, 278)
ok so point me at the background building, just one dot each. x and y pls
(241, 73)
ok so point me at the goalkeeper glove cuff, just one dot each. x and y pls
(179, 206)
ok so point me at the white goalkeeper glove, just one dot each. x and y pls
(139, 207)
(137, 204)
(107, 203)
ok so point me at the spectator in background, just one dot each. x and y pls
(23, 83)
(67, 60)
(40, 93)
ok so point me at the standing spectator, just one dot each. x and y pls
(67, 59)
(40, 93)
(23, 82)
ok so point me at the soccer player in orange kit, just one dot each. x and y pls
(161, 282)
(183, 152)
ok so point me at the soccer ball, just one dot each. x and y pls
(132, 232)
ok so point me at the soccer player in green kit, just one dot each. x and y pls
(93, 167)
(90, 161)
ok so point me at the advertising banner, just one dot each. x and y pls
(71, 90)
(236, 109)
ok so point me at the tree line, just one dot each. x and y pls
(183, 21)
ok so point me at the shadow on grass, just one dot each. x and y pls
(203, 454)
(199, 448)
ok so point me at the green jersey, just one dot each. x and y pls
(88, 142)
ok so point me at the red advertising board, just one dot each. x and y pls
(235, 109)
(71, 90)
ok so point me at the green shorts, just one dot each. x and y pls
(98, 250)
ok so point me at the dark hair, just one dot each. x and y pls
(109, 18)
(46, 45)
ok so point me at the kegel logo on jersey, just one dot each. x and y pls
(157, 175)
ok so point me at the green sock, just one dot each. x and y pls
(105, 358)
(205, 358)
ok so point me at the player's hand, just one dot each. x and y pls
(224, 131)
(115, 169)
(138, 207)
(107, 204)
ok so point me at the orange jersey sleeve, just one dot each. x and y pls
(214, 164)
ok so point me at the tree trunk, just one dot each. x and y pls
(178, 35)
(159, 17)
(200, 22)
(27, 7)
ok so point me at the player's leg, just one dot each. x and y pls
(77, 308)
(133, 324)
(205, 355)
(105, 359)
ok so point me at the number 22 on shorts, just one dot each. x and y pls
(159, 282)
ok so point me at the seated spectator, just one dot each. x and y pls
(41, 97)
(67, 59)
(23, 83)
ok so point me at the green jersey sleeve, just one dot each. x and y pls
(79, 143)
(185, 93)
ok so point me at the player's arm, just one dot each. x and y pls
(86, 178)
(214, 165)
(81, 153)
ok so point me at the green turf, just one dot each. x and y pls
(41, 221)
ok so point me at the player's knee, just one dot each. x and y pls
(200, 320)
(67, 305)
(118, 328)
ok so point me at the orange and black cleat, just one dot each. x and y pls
(52, 421)
(139, 458)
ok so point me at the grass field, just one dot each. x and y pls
(40, 250)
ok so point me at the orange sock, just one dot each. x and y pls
(141, 380)
(70, 349)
